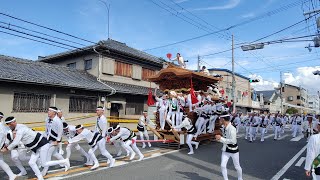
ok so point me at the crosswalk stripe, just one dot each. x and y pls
(299, 163)
(268, 136)
(282, 137)
(297, 138)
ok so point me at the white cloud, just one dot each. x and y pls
(263, 84)
(304, 78)
(230, 5)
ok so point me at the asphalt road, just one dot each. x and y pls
(281, 159)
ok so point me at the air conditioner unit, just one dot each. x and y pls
(290, 98)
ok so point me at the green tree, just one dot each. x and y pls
(292, 110)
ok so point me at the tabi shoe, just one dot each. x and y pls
(132, 155)
(67, 165)
(112, 161)
(95, 166)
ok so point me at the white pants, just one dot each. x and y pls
(171, 117)
(253, 133)
(224, 160)
(263, 131)
(199, 124)
(162, 119)
(248, 129)
(18, 155)
(144, 133)
(179, 116)
(102, 148)
(212, 123)
(53, 151)
(42, 153)
(6, 168)
(134, 148)
(190, 142)
(118, 145)
(277, 132)
(204, 126)
(296, 129)
(78, 148)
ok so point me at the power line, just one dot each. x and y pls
(3, 27)
(9, 25)
(270, 13)
(35, 24)
(34, 40)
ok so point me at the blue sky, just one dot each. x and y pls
(143, 25)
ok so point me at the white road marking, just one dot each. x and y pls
(287, 166)
(116, 165)
(297, 138)
(299, 163)
(101, 160)
(268, 136)
(286, 179)
(282, 137)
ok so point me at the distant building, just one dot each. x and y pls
(294, 96)
(244, 102)
(314, 103)
(271, 100)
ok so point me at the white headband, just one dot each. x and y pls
(59, 110)
(100, 109)
(227, 115)
(50, 109)
(7, 122)
(1, 115)
(79, 127)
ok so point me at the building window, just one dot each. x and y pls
(81, 104)
(123, 69)
(88, 64)
(134, 105)
(147, 73)
(298, 97)
(290, 98)
(298, 104)
(239, 94)
(71, 65)
(31, 102)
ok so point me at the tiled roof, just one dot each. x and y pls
(27, 71)
(111, 45)
(130, 89)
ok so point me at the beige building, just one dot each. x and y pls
(119, 66)
(294, 96)
(242, 91)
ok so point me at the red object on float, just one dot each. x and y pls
(169, 55)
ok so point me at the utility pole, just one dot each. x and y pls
(281, 109)
(198, 63)
(233, 79)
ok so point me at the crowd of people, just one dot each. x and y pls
(38, 148)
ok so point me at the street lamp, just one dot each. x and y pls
(108, 8)
(252, 47)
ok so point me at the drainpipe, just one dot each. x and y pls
(113, 91)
